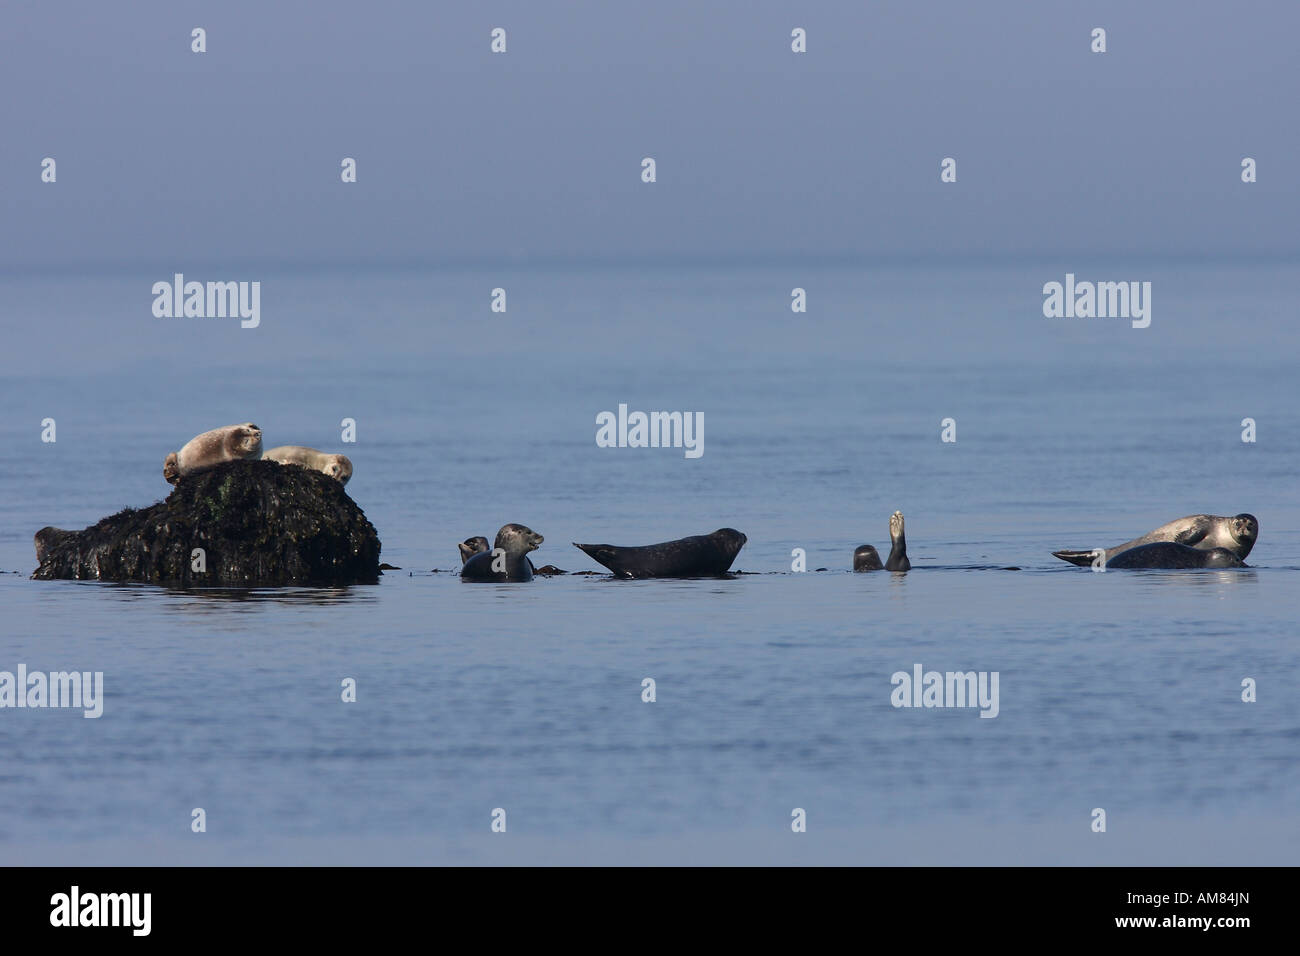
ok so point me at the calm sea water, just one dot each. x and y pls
(1118, 690)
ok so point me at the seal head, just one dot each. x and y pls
(472, 546)
(867, 558)
(508, 559)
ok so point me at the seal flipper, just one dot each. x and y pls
(1082, 559)
(897, 560)
(603, 554)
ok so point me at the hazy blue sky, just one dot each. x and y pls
(173, 159)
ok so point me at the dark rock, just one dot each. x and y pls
(260, 524)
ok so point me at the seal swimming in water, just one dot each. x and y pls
(513, 543)
(1202, 532)
(478, 544)
(1167, 554)
(212, 448)
(699, 556)
(338, 467)
(866, 558)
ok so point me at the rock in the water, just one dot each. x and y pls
(258, 523)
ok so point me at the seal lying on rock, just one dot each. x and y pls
(508, 560)
(239, 524)
(702, 555)
(338, 467)
(1203, 532)
(866, 558)
(1166, 554)
(228, 443)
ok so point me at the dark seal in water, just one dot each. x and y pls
(701, 555)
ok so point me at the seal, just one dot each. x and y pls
(472, 546)
(701, 555)
(508, 560)
(866, 558)
(478, 544)
(338, 467)
(205, 451)
(1167, 554)
(1203, 532)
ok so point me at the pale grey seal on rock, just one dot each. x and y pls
(338, 467)
(227, 443)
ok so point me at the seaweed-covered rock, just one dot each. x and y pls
(259, 524)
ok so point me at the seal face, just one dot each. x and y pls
(508, 560)
(1167, 554)
(866, 558)
(699, 556)
(1236, 534)
(338, 467)
(210, 449)
(472, 546)
(478, 544)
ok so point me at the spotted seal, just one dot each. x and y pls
(338, 467)
(1237, 534)
(508, 560)
(212, 448)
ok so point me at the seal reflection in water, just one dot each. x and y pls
(212, 448)
(1236, 535)
(866, 558)
(699, 556)
(508, 560)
